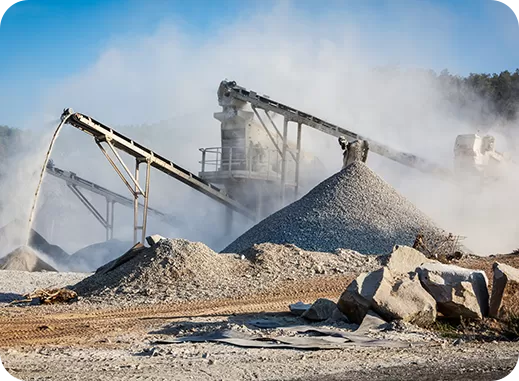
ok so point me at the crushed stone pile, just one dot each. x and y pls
(56, 253)
(353, 209)
(179, 270)
(89, 258)
(14, 235)
(24, 259)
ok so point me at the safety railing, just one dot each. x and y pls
(256, 161)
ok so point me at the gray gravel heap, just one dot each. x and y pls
(353, 209)
(24, 258)
(176, 269)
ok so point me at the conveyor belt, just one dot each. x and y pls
(104, 133)
(72, 179)
(231, 89)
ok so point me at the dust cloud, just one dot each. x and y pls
(160, 89)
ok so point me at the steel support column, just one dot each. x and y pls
(146, 200)
(284, 160)
(298, 160)
(136, 202)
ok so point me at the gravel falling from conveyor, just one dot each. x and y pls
(353, 209)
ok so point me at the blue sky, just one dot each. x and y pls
(43, 41)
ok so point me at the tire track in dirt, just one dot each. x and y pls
(83, 327)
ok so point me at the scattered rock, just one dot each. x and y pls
(321, 310)
(458, 292)
(299, 308)
(505, 291)
(405, 259)
(154, 239)
(372, 322)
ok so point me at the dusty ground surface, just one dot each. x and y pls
(132, 355)
(90, 340)
(95, 342)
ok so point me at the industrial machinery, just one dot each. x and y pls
(116, 141)
(256, 162)
(257, 165)
(475, 156)
(76, 183)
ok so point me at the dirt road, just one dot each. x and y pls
(81, 325)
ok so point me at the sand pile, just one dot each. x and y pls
(353, 209)
(176, 269)
(24, 259)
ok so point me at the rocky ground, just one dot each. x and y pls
(134, 356)
(111, 333)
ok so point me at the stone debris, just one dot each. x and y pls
(404, 259)
(352, 209)
(458, 292)
(154, 239)
(176, 269)
(504, 301)
(299, 308)
(321, 310)
(372, 322)
(391, 298)
(24, 259)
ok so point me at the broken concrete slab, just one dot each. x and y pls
(405, 259)
(459, 292)
(321, 310)
(154, 239)
(505, 291)
(133, 252)
(392, 298)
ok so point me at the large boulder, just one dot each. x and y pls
(505, 291)
(321, 310)
(458, 292)
(391, 297)
(405, 259)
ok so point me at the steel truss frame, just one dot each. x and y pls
(117, 141)
(76, 183)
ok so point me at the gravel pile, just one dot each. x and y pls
(24, 259)
(176, 269)
(353, 209)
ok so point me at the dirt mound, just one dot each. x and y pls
(353, 209)
(24, 259)
(176, 269)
